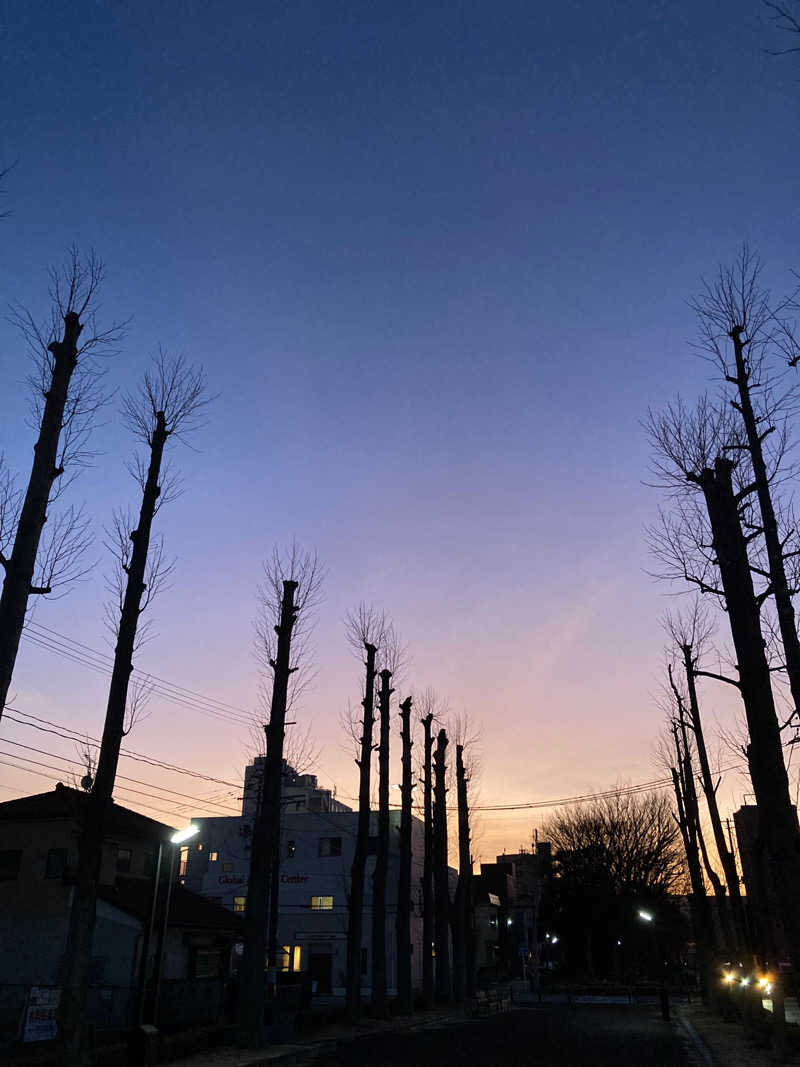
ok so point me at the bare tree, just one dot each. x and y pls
(463, 920)
(431, 709)
(751, 341)
(365, 629)
(288, 596)
(404, 904)
(66, 393)
(441, 871)
(167, 405)
(727, 572)
(691, 632)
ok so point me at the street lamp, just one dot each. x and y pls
(176, 839)
(650, 919)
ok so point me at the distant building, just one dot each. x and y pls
(300, 792)
(316, 855)
(38, 857)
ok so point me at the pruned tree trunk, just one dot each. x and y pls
(726, 857)
(444, 989)
(379, 1006)
(20, 567)
(756, 433)
(78, 950)
(428, 906)
(265, 840)
(777, 817)
(688, 823)
(462, 905)
(355, 904)
(403, 926)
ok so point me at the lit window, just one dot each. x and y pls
(297, 958)
(322, 903)
(239, 903)
(283, 958)
(213, 857)
(330, 846)
(200, 846)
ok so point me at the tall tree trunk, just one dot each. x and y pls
(726, 857)
(382, 854)
(769, 523)
(777, 816)
(21, 565)
(461, 909)
(688, 821)
(265, 841)
(403, 927)
(78, 950)
(355, 904)
(428, 924)
(444, 989)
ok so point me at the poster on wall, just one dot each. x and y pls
(40, 1014)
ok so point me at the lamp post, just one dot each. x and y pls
(650, 919)
(175, 840)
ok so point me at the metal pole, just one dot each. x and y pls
(148, 937)
(163, 938)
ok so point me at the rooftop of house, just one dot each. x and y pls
(66, 803)
(134, 896)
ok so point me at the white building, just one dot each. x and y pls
(316, 856)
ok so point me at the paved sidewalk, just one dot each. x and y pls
(726, 1041)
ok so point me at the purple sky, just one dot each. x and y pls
(435, 260)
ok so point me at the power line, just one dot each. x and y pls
(120, 777)
(100, 663)
(126, 753)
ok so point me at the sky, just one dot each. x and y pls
(435, 259)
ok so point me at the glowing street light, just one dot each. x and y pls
(645, 916)
(183, 835)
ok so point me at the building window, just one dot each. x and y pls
(297, 956)
(290, 849)
(10, 859)
(322, 903)
(123, 861)
(56, 863)
(330, 846)
(213, 857)
(227, 867)
(184, 861)
(239, 903)
(199, 846)
(284, 957)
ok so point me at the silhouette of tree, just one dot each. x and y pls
(166, 406)
(288, 596)
(40, 552)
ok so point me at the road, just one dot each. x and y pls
(558, 1034)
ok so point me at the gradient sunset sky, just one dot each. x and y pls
(435, 259)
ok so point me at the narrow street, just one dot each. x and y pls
(596, 1035)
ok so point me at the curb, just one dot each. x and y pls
(701, 1048)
